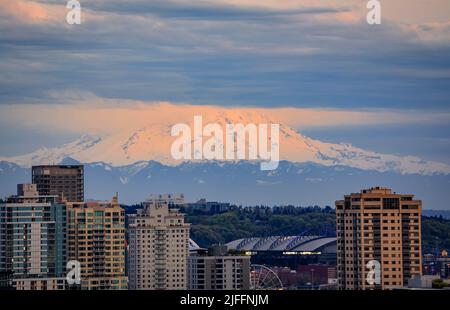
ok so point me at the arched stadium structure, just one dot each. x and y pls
(284, 243)
(288, 251)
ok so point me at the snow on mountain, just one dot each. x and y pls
(153, 142)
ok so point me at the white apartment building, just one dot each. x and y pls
(158, 247)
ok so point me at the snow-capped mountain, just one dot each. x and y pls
(153, 142)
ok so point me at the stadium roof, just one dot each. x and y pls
(283, 243)
(193, 246)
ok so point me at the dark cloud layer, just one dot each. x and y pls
(207, 52)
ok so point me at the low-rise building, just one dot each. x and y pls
(216, 269)
(44, 284)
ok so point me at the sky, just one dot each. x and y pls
(316, 55)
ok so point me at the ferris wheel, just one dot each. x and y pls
(264, 278)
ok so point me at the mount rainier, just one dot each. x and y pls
(136, 161)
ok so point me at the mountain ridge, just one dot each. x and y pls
(153, 142)
(240, 183)
(135, 160)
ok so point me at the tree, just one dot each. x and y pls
(439, 283)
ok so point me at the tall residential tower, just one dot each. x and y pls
(158, 247)
(96, 238)
(378, 230)
(32, 238)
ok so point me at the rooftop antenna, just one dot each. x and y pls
(116, 198)
(63, 197)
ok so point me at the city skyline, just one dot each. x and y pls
(224, 153)
(376, 242)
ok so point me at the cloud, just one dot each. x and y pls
(214, 10)
(25, 11)
(436, 32)
(84, 113)
(267, 183)
(42, 14)
(260, 53)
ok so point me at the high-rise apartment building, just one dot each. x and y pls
(378, 228)
(158, 247)
(32, 235)
(96, 239)
(65, 181)
(218, 270)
